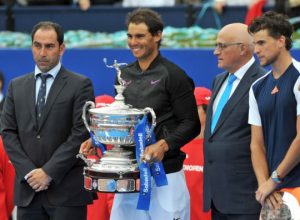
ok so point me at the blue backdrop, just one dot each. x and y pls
(200, 64)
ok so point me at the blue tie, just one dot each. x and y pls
(41, 95)
(223, 100)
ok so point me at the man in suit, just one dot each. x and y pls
(42, 140)
(229, 180)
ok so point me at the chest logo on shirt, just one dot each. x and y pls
(154, 82)
(127, 82)
(275, 90)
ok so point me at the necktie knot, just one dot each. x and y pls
(43, 76)
(231, 78)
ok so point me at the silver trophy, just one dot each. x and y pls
(289, 210)
(114, 124)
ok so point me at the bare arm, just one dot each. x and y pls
(258, 155)
(265, 193)
(267, 186)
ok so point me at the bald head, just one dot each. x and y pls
(235, 47)
(237, 32)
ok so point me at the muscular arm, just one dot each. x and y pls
(185, 111)
(266, 186)
(258, 155)
(265, 193)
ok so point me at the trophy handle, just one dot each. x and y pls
(153, 115)
(89, 104)
(88, 162)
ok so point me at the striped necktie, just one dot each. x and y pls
(41, 98)
(222, 102)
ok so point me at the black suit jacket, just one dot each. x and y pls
(229, 179)
(54, 144)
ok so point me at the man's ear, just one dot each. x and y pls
(158, 36)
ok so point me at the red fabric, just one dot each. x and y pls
(202, 95)
(7, 175)
(254, 11)
(104, 99)
(101, 208)
(193, 168)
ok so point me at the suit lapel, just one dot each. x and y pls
(30, 92)
(56, 88)
(238, 94)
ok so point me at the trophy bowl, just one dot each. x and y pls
(116, 127)
(114, 124)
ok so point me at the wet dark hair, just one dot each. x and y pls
(49, 25)
(276, 24)
(151, 18)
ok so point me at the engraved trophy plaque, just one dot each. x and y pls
(114, 124)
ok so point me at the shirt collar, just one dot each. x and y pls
(153, 63)
(242, 71)
(53, 72)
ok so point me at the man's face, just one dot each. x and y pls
(141, 42)
(266, 48)
(228, 52)
(46, 49)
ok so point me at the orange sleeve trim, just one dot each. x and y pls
(294, 191)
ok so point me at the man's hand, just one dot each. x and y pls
(274, 200)
(38, 179)
(87, 149)
(264, 190)
(155, 152)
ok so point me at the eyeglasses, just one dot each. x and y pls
(222, 46)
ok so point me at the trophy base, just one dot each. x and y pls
(116, 172)
(111, 182)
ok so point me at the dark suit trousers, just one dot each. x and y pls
(40, 209)
(216, 215)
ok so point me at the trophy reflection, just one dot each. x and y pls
(114, 124)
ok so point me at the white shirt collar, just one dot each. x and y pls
(53, 72)
(241, 71)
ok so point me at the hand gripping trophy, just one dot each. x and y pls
(125, 127)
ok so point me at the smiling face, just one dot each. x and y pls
(46, 49)
(267, 48)
(143, 45)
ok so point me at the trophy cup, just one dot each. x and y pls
(114, 124)
(289, 209)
